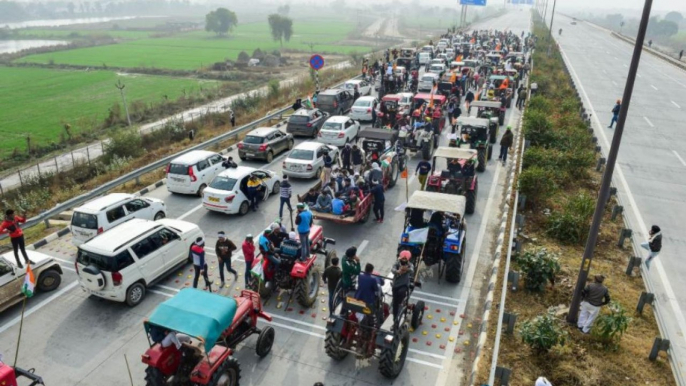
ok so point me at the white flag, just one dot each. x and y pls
(418, 235)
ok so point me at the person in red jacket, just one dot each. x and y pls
(11, 226)
(249, 256)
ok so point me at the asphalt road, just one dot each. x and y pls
(72, 339)
(652, 160)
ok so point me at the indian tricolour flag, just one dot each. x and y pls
(29, 282)
(257, 271)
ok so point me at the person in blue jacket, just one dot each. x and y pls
(304, 221)
(368, 286)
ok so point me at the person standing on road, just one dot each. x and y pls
(521, 98)
(505, 143)
(328, 164)
(468, 99)
(224, 248)
(11, 226)
(331, 276)
(615, 113)
(650, 43)
(403, 273)
(199, 264)
(285, 193)
(248, 248)
(377, 192)
(232, 117)
(594, 296)
(681, 54)
(253, 192)
(304, 221)
(653, 245)
(357, 158)
(351, 268)
(422, 172)
(346, 157)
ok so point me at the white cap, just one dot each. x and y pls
(542, 381)
(291, 235)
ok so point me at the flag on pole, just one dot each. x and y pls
(257, 271)
(29, 282)
(308, 102)
(418, 235)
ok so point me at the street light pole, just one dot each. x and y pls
(610, 167)
(550, 37)
(545, 10)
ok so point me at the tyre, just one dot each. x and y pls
(306, 289)
(290, 144)
(154, 377)
(242, 158)
(260, 288)
(417, 314)
(327, 261)
(392, 359)
(395, 173)
(481, 157)
(49, 281)
(318, 173)
(135, 294)
(470, 195)
(270, 156)
(201, 189)
(453, 267)
(160, 215)
(493, 137)
(332, 346)
(276, 188)
(426, 150)
(244, 208)
(227, 374)
(265, 341)
(490, 152)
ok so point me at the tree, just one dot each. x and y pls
(674, 16)
(220, 21)
(283, 10)
(281, 27)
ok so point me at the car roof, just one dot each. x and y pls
(262, 131)
(112, 240)
(100, 203)
(366, 98)
(354, 81)
(442, 202)
(193, 157)
(304, 111)
(309, 145)
(332, 91)
(237, 172)
(338, 119)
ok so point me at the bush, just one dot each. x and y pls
(243, 57)
(537, 183)
(123, 144)
(543, 333)
(273, 87)
(609, 328)
(539, 102)
(356, 57)
(538, 128)
(572, 224)
(539, 268)
(258, 54)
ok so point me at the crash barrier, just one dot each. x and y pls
(650, 50)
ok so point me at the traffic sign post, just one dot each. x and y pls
(316, 63)
(473, 2)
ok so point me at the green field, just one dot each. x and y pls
(40, 101)
(188, 51)
(67, 33)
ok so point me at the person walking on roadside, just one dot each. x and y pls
(304, 221)
(11, 226)
(594, 296)
(285, 193)
(331, 276)
(615, 113)
(379, 199)
(422, 172)
(505, 143)
(521, 98)
(199, 264)
(681, 54)
(223, 249)
(468, 99)
(653, 245)
(232, 117)
(248, 248)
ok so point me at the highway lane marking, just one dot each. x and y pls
(190, 212)
(362, 246)
(38, 306)
(664, 281)
(615, 83)
(435, 302)
(648, 120)
(654, 88)
(625, 65)
(638, 75)
(677, 106)
(679, 157)
(436, 296)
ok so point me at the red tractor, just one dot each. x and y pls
(9, 375)
(193, 336)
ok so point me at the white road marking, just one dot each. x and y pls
(648, 121)
(362, 246)
(421, 362)
(616, 58)
(679, 157)
(434, 301)
(38, 306)
(437, 296)
(190, 212)
(655, 88)
(638, 75)
(625, 65)
(420, 352)
(674, 103)
(615, 83)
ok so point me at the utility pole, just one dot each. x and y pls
(121, 86)
(550, 37)
(610, 167)
(545, 11)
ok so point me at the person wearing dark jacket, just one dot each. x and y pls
(331, 276)
(223, 249)
(346, 157)
(505, 143)
(357, 158)
(615, 113)
(594, 296)
(379, 198)
(351, 268)
(368, 286)
(285, 193)
(653, 245)
(11, 226)
(403, 275)
(199, 264)
(297, 105)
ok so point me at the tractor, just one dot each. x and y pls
(457, 177)
(474, 134)
(494, 114)
(9, 375)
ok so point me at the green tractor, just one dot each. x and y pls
(491, 111)
(474, 134)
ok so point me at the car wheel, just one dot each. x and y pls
(270, 157)
(135, 294)
(242, 158)
(318, 173)
(49, 281)
(244, 208)
(276, 188)
(160, 215)
(290, 144)
(201, 189)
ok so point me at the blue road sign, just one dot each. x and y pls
(473, 2)
(316, 62)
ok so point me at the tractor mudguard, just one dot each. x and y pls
(165, 359)
(472, 184)
(202, 372)
(7, 376)
(335, 324)
(300, 268)
(381, 339)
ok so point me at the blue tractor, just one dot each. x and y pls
(435, 232)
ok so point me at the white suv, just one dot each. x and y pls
(106, 212)
(119, 265)
(193, 171)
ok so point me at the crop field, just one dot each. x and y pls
(193, 50)
(78, 33)
(39, 101)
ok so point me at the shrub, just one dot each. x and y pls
(543, 333)
(571, 225)
(273, 87)
(537, 183)
(123, 144)
(258, 54)
(356, 57)
(539, 102)
(609, 328)
(539, 268)
(243, 57)
(538, 128)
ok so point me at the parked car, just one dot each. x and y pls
(264, 143)
(438, 69)
(121, 264)
(103, 213)
(228, 192)
(193, 171)
(339, 130)
(307, 159)
(306, 122)
(363, 87)
(47, 271)
(362, 108)
(335, 101)
(426, 82)
(424, 58)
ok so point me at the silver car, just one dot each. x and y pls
(307, 159)
(264, 143)
(426, 82)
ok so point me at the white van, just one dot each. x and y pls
(121, 264)
(103, 213)
(193, 171)
(424, 57)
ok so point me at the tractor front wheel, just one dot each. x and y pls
(332, 346)
(154, 377)
(481, 157)
(392, 359)
(265, 341)
(470, 195)
(426, 149)
(306, 288)
(228, 373)
(395, 173)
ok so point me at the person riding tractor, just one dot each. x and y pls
(457, 177)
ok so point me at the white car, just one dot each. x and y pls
(438, 69)
(121, 264)
(362, 108)
(193, 171)
(424, 58)
(405, 101)
(103, 213)
(363, 87)
(339, 130)
(426, 82)
(307, 159)
(46, 270)
(228, 192)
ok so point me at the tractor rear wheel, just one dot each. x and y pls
(392, 359)
(395, 173)
(306, 288)
(154, 377)
(493, 135)
(332, 346)
(453, 267)
(481, 157)
(470, 195)
(426, 149)
(228, 373)
(265, 341)
(490, 152)
(417, 314)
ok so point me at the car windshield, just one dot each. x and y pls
(302, 154)
(428, 78)
(102, 262)
(332, 126)
(436, 68)
(253, 139)
(298, 119)
(325, 99)
(178, 169)
(223, 183)
(406, 100)
(350, 85)
(362, 103)
(84, 220)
